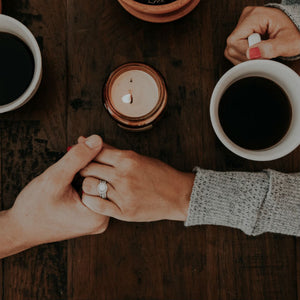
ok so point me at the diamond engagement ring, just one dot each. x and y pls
(102, 189)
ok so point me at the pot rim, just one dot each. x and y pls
(156, 9)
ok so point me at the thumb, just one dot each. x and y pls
(77, 158)
(266, 49)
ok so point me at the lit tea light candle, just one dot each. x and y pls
(135, 96)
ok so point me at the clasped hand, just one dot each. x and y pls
(139, 188)
(49, 209)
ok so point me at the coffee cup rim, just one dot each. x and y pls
(278, 150)
(29, 39)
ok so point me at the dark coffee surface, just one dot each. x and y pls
(17, 67)
(155, 2)
(255, 113)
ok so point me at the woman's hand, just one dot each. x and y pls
(282, 36)
(48, 209)
(140, 189)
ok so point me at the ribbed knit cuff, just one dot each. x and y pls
(229, 199)
(280, 212)
(293, 12)
(253, 202)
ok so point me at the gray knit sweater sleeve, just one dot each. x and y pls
(253, 202)
(292, 9)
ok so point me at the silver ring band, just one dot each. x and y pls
(102, 189)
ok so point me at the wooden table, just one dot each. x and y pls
(82, 41)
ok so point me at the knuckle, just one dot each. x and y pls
(129, 162)
(130, 153)
(257, 10)
(231, 52)
(125, 172)
(119, 156)
(248, 9)
(230, 40)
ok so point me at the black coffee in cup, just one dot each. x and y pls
(16, 67)
(255, 113)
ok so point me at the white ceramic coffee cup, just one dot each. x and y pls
(283, 76)
(13, 26)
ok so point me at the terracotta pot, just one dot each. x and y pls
(159, 13)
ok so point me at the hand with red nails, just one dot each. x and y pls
(282, 35)
(48, 209)
(140, 189)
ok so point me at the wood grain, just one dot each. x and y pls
(208, 263)
(32, 138)
(82, 42)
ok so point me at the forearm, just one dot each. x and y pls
(10, 236)
(253, 202)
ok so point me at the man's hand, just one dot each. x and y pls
(48, 209)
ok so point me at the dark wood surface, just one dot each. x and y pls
(82, 41)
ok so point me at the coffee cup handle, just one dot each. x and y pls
(253, 39)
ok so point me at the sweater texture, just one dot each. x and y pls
(255, 203)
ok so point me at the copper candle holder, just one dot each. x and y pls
(130, 96)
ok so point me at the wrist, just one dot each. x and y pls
(12, 238)
(184, 190)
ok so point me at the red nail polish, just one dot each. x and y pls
(69, 148)
(254, 53)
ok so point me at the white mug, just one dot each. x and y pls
(16, 28)
(284, 77)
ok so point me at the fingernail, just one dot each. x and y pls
(94, 141)
(69, 148)
(254, 53)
